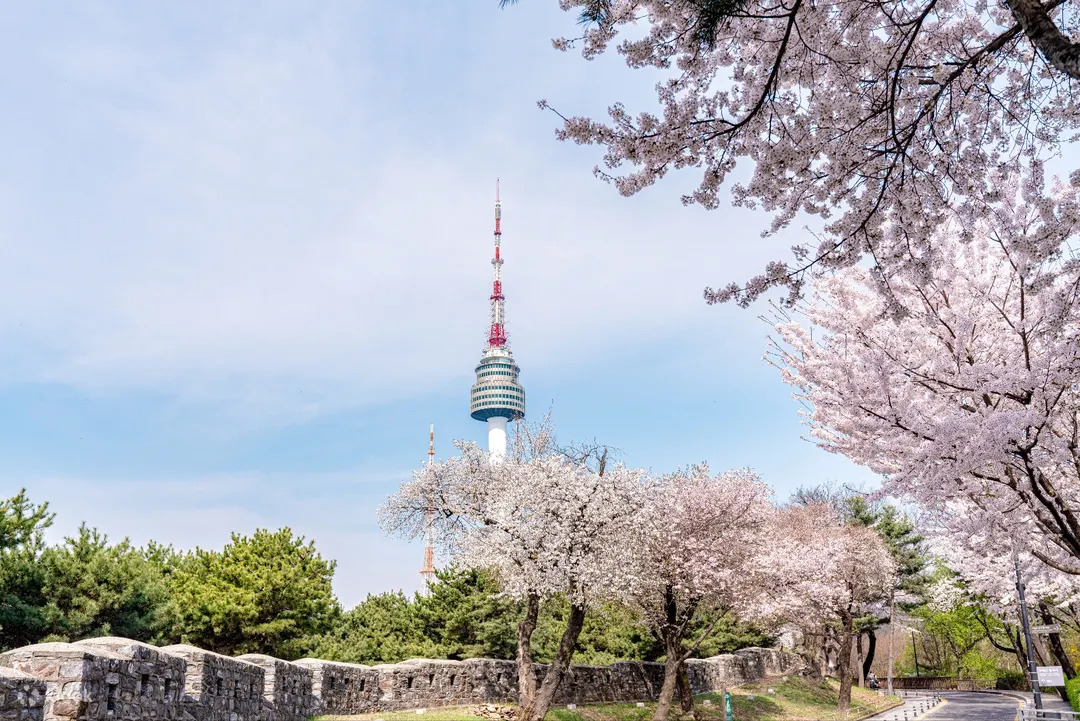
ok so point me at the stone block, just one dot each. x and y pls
(747, 665)
(22, 697)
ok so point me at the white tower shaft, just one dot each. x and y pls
(497, 438)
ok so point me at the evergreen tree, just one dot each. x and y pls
(383, 628)
(22, 522)
(92, 588)
(21, 579)
(464, 614)
(268, 593)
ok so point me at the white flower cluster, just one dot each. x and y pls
(884, 118)
(962, 390)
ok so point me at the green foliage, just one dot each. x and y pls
(21, 522)
(463, 616)
(956, 633)
(384, 628)
(271, 593)
(82, 587)
(956, 641)
(1072, 689)
(611, 633)
(22, 601)
(908, 549)
(466, 617)
(21, 577)
(92, 588)
(267, 593)
(728, 635)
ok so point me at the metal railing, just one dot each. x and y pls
(1031, 714)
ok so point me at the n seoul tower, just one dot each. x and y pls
(497, 398)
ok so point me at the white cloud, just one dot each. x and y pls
(267, 238)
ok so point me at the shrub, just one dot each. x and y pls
(1072, 688)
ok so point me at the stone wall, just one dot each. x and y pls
(22, 697)
(90, 682)
(746, 665)
(287, 689)
(115, 679)
(342, 688)
(423, 683)
(219, 688)
(160, 676)
(623, 681)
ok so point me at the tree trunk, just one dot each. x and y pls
(871, 648)
(554, 676)
(1053, 640)
(1018, 649)
(1040, 29)
(667, 689)
(1041, 654)
(843, 702)
(525, 668)
(825, 652)
(676, 677)
(686, 696)
(859, 658)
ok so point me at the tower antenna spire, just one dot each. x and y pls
(428, 571)
(497, 334)
(497, 397)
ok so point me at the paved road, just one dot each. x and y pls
(961, 707)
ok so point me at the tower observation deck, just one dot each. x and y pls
(497, 397)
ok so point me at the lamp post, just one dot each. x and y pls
(1032, 671)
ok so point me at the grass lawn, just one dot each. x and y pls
(796, 699)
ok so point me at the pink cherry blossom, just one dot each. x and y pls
(697, 542)
(543, 523)
(820, 572)
(885, 118)
(960, 388)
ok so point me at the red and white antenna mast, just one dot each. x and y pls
(428, 571)
(497, 335)
(497, 398)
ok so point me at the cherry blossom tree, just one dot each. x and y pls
(983, 562)
(544, 523)
(823, 572)
(961, 391)
(885, 118)
(698, 541)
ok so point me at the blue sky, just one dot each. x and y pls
(245, 264)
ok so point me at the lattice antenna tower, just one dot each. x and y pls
(428, 571)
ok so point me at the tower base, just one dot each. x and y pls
(497, 437)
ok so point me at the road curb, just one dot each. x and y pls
(940, 704)
(878, 713)
(903, 701)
